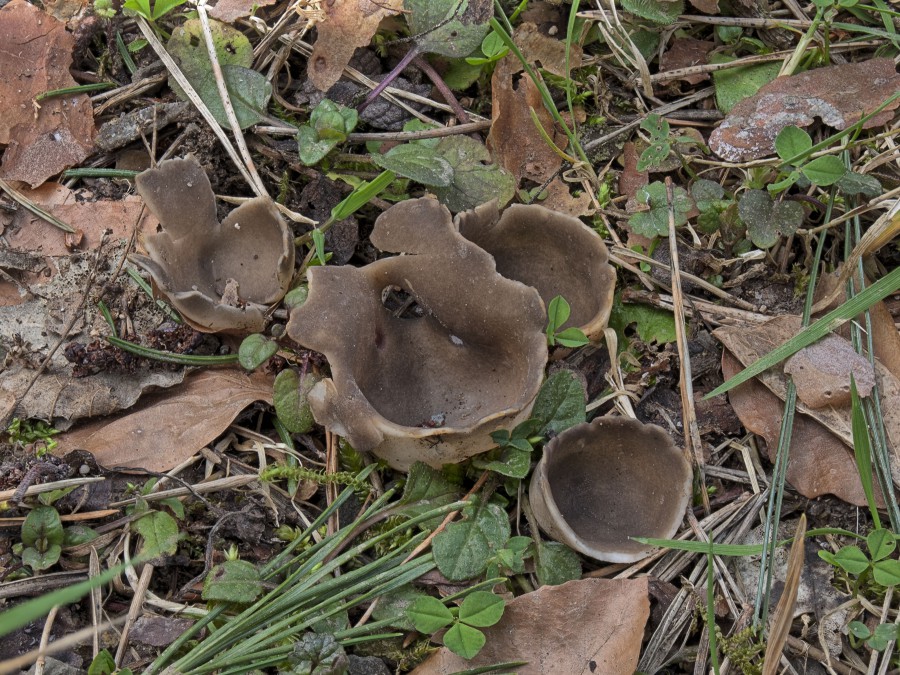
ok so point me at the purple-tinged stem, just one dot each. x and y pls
(442, 87)
(390, 77)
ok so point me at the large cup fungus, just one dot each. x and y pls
(432, 387)
(555, 253)
(219, 276)
(602, 482)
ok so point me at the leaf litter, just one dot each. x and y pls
(745, 234)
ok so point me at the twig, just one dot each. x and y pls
(45, 639)
(260, 188)
(692, 444)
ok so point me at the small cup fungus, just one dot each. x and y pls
(219, 276)
(602, 482)
(433, 386)
(555, 253)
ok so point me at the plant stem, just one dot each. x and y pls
(390, 77)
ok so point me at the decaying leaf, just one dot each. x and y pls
(219, 276)
(230, 11)
(170, 427)
(766, 219)
(547, 53)
(816, 595)
(347, 25)
(514, 139)
(684, 53)
(827, 468)
(451, 28)
(584, 626)
(821, 372)
(45, 138)
(820, 463)
(840, 95)
(34, 327)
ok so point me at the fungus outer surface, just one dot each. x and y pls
(600, 483)
(428, 385)
(219, 276)
(555, 253)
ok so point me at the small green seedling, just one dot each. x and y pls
(26, 432)
(557, 314)
(329, 124)
(142, 8)
(42, 538)
(493, 49)
(876, 566)
(793, 145)
(877, 639)
(660, 147)
(479, 610)
(255, 350)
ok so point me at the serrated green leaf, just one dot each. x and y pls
(160, 533)
(792, 141)
(556, 563)
(824, 171)
(651, 323)
(464, 640)
(418, 162)
(655, 221)
(290, 400)
(663, 12)
(560, 403)
(255, 350)
(429, 615)
(463, 548)
(887, 572)
(235, 581)
(481, 609)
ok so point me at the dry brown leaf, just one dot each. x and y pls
(784, 613)
(822, 372)
(707, 6)
(230, 11)
(559, 198)
(348, 24)
(171, 426)
(514, 140)
(749, 344)
(546, 52)
(583, 626)
(820, 463)
(684, 53)
(36, 56)
(840, 95)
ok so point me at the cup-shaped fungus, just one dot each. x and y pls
(554, 252)
(431, 382)
(219, 276)
(602, 482)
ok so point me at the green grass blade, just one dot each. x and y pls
(816, 331)
(862, 450)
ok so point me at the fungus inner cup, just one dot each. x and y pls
(601, 483)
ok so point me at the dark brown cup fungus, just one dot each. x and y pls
(431, 387)
(219, 276)
(555, 253)
(600, 483)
